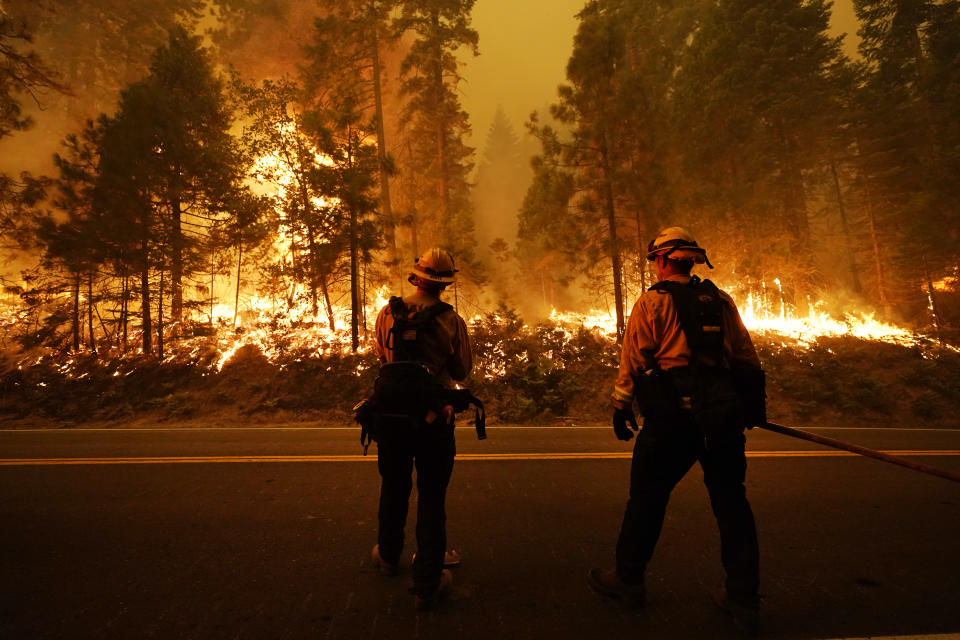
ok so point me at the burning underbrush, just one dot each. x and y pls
(560, 370)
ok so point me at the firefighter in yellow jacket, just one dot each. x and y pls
(689, 362)
(424, 348)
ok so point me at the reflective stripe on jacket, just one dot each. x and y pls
(654, 336)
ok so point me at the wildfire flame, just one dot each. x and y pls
(770, 315)
(278, 328)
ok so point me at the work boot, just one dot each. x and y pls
(451, 559)
(607, 584)
(385, 568)
(744, 609)
(428, 602)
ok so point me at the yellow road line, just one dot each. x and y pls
(15, 462)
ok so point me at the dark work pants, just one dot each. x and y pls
(662, 455)
(431, 449)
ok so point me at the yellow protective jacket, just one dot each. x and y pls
(654, 337)
(447, 351)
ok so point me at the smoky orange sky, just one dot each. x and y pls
(524, 48)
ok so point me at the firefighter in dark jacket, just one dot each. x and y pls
(423, 352)
(686, 355)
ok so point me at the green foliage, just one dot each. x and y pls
(909, 142)
(435, 123)
(22, 74)
(577, 177)
(170, 173)
(743, 121)
(500, 183)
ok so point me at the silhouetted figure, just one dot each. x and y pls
(690, 363)
(423, 347)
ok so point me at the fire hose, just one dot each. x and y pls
(863, 451)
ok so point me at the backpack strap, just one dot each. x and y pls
(398, 309)
(460, 400)
(432, 312)
(405, 335)
(700, 311)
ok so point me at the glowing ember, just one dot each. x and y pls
(947, 284)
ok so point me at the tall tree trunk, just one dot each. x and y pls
(875, 244)
(313, 259)
(878, 262)
(848, 237)
(294, 263)
(93, 340)
(414, 235)
(145, 301)
(641, 252)
(410, 191)
(443, 189)
(160, 318)
(363, 301)
(443, 180)
(176, 263)
(354, 283)
(354, 257)
(331, 321)
(236, 297)
(124, 311)
(610, 211)
(213, 281)
(386, 208)
(934, 306)
(76, 313)
(798, 224)
(314, 275)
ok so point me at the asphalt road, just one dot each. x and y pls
(266, 533)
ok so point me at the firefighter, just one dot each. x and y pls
(689, 362)
(423, 347)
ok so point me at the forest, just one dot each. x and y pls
(239, 185)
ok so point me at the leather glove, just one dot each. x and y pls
(622, 418)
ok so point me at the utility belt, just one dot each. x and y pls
(721, 402)
(404, 396)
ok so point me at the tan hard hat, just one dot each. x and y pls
(435, 265)
(676, 243)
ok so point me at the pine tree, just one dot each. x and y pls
(435, 124)
(588, 105)
(345, 66)
(76, 245)
(909, 139)
(756, 95)
(350, 180)
(284, 138)
(550, 237)
(23, 76)
(500, 183)
(170, 169)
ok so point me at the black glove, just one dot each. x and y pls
(622, 418)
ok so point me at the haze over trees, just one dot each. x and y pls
(744, 121)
